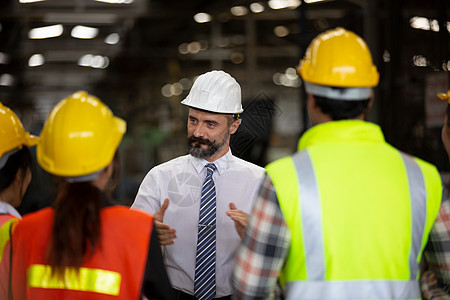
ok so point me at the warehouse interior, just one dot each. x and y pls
(141, 57)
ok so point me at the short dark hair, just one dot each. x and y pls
(341, 109)
(232, 118)
(22, 159)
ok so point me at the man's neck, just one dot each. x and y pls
(326, 118)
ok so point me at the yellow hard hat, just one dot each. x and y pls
(12, 133)
(80, 137)
(444, 96)
(338, 58)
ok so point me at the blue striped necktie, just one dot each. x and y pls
(205, 263)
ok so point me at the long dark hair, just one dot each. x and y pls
(21, 160)
(76, 226)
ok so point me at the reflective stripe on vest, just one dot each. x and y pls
(311, 216)
(5, 235)
(418, 211)
(88, 280)
(362, 289)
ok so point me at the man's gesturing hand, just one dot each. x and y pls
(165, 233)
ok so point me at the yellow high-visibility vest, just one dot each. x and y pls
(6, 222)
(359, 212)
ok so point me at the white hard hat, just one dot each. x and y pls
(215, 91)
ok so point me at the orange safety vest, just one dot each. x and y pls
(114, 271)
(6, 222)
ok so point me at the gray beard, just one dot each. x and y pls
(213, 148)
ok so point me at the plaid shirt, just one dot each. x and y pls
(263, 250)
(435, 281)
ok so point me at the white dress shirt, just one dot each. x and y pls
(180, 180)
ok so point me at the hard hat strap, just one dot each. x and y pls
(347, 94)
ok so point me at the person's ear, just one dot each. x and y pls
(234, 126)
(311, 102)
(18, 178)
(369, 106)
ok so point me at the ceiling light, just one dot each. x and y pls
(85, 60)
(280, 4)
(420, 61)
(291, 73)
(186, 83)
(386, 56)
(426, 24)
(257, 7)
(94, 61)
(29, 1)
(276, 78)
(313, 1)
(239, 11)
(194, 47)
(288, 79)
(112, 39)
(203, 45)
(84, 32)
(281, 31)
(237, 58)
(166, 90)
(421, 23)
(45, 32)
(6, 80)
(434, 25)
(116, 1)
(284, 80)
(202, 17)
(4, 58)
(100, 62)
(176, 89)
(36, 60)
(183, 48)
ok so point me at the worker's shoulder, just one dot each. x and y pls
(124, 212)
(239, 163)
(422, 163)
(283, 162)
(35, 223)
(44, 213)
(428, 169)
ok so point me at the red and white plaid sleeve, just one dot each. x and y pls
(264, 248)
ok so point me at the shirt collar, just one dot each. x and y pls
(221, 163)
(6, 208)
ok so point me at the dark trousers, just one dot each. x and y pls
(179, 295)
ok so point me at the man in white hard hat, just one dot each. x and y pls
(210, 192)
